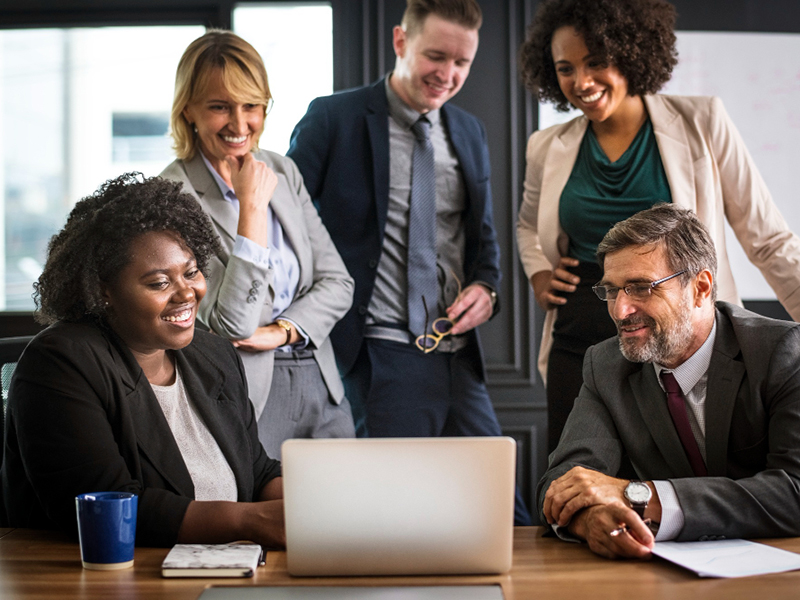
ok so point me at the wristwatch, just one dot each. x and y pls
(638, 494)
(286, 326)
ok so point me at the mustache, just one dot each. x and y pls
(635, 321)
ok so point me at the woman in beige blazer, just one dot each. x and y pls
(279, 286)
(609, 60)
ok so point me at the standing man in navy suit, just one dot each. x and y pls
(356, 151)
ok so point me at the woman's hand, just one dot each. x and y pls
(212, 522)
(265, 338)
(548, 284)
(265, 522)
(254, 184)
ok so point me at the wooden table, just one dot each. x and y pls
(46, 565)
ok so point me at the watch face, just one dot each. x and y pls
(638, 492)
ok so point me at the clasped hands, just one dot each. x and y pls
(592, 505)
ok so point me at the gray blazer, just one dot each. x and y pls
(240, 293)
(621, 426)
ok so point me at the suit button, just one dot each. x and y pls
(373, 263)
(703, 538)
(256, 284)
(251, 299)
(362, 310)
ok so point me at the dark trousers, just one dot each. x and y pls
(582, 322)
(402, 392)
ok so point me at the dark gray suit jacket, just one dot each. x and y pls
(621, 426)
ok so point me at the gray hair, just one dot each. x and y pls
(686, 241)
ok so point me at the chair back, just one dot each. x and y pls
(10, 350)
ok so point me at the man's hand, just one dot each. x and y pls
(596, 523)
(580, 488)
(472, 308)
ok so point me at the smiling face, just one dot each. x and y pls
(598, 89)
(668, 326)
(225, 127)
(433, 64)
(152, 303)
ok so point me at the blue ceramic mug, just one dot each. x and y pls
(107, 529)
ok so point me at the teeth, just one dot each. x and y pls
(234, 140)
(593, 98)
(184, 316)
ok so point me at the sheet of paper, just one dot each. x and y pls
(728, 558)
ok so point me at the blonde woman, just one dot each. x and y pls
(279, 286)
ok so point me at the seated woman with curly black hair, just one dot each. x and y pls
(631, 149)
(121, 393)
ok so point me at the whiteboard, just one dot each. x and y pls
(757, 75)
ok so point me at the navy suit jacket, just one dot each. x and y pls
(341, 146)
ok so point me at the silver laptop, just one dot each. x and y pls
(399, 506)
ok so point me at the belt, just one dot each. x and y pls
(447, 345)
(293, 354)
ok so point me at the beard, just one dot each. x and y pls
(663, 343)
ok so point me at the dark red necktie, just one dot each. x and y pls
(677, 410)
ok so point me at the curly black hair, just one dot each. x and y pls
(636, 36)
(93, 247)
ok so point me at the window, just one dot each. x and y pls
(79, 106)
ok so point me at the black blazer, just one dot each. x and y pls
(620, 426)
(341, 147)
(82, 417)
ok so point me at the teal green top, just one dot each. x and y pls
(600, 193)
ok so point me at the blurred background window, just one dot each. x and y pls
(79, 106)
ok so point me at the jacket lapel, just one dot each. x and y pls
(558, 167)
(203, 387)
(378, 129)
(725, 375)
(153, 435)
(676, 155)
(222, 213)
(289, 214)
(652, 403)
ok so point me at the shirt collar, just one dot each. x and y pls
(227, 192)
(690, 372)
(403, 113)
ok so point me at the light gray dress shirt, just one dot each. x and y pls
(388, 303)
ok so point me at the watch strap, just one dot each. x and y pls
(287, 327)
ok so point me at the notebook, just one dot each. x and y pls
(399, 506)
(212, 560)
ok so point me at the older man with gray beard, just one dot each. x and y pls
(687, 426)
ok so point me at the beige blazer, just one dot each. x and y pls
(240, 293)
(709, 171)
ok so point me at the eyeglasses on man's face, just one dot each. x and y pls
(637, 291)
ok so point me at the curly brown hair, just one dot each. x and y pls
(93, 247)
(636, 36)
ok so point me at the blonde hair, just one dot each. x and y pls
(243, 75)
